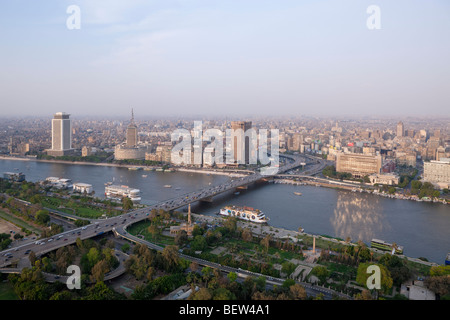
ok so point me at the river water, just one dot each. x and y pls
(423, 229)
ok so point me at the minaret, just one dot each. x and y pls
(314, 245)
(189, 215)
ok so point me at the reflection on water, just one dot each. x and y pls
(359, 218)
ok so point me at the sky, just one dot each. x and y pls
(227, 57)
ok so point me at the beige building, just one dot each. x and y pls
(358, 165)
(400, 129)
(162, 154)
(388, 179)
(406, 159)
(86, 151)
(437, 172)
(440, 153)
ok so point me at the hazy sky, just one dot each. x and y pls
(230, 57)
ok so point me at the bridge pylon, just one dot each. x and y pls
(209, 200)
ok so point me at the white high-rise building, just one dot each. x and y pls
(61, 134)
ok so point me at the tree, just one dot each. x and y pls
(170, 256)
(81, 222)
(439, 285)
(199, 243)
(297, 292)
(364, 254)
(181, 238)
(364, 295)
(99, 270)
(79, 243)
(93, 257)
(230, 224)
(232, 276)
(125, 248)
(42, 217)
(150, 273)
(386, 281)
(261, 283)
(436, 271)
(397, 268)
(100, 291)
(321, 272)
(62, 295)
(127, 204)
(202, 294)
(194, 266)
(32, 258)
(223, 294)
(207, 275)
(265, 242)
(154, 230)
(247, 235)
(287, 268)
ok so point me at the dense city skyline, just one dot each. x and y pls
(229, 58)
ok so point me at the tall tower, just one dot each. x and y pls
(61, 134)
(132, 138)
(189, 215)
(400, 129)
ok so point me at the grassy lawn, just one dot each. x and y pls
(418, 268)
(338, 267)
(73, 207)
(18, 222)
(141, 228)
(7, 292)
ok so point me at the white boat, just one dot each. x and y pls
(116, 192)
(167, 186)
(244, 213)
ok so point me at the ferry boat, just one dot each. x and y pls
(385, 246)
(59, 183)
(447, 260)
(244, 213)
(116, 192)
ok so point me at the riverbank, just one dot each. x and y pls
(360, 189)
(261, 230)
(128, 166)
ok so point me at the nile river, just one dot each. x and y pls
(423, 229)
